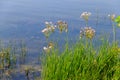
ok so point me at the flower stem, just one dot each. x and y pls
(114, 32)
(86, 43)
(86, 23)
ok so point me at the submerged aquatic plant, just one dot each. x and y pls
(85, 16)
(88, 32)
(62, 25)
(112, 18)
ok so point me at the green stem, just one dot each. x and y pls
(91, 48)
(86, 43)
(86, 23)
(114, 32)
(91, 44)
(47, 40)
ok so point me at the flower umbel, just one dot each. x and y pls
(50, 25)
(46, 32)
(88, 32)
(49, 29)
(62, 25)
(85, 15)
(49, 47)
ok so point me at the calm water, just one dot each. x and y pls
(24, 19)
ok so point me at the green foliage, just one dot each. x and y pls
(83, 62)
(117, 20)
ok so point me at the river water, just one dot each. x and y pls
(24, 19)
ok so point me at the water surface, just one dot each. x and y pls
(24, 19)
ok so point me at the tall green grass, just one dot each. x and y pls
(82, 61)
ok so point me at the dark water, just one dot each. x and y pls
(24, 19)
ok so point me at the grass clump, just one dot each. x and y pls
(82, 62)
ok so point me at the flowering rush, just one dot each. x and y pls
(62, 25)
(88, 32)
(49, 29)
(49, 47)
(85, 15)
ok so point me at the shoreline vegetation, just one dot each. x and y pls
(13, 63)
(82, 60)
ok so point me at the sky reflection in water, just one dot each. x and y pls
(24, 19)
